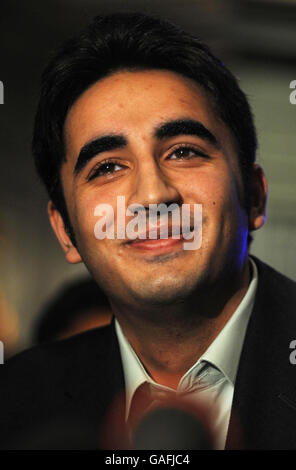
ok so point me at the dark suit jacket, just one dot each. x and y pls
(76, 380)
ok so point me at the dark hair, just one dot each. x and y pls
(132, 41)
(70, 303)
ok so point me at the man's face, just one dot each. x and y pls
(162, 143)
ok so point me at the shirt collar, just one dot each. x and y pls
(224, 352)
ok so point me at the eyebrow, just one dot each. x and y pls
(96, 146)
(185, 127)
(169, 129)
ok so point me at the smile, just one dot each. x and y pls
(156, 247)
(165, 224)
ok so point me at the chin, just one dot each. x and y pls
(164, 291)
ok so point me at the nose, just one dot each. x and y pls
(151, 186)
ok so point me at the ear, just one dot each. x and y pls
(57, 223)
(257, 215)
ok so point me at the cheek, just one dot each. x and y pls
(210, 188)
(85, 218)
(94, 215)
(217, 192)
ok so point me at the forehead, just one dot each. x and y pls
(134, 103)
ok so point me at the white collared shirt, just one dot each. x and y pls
(223, 353)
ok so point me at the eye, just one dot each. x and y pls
(105, 168)
(185, 153)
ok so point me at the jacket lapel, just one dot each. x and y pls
(264, 404)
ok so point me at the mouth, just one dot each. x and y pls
(157, 244)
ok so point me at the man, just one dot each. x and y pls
(78, 306)
(135, 108)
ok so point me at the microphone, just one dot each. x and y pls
(172, 423)
(171, 428)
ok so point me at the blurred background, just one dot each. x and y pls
(257, 41)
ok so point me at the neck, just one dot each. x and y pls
(169, 347)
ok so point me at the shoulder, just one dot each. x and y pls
(272, 325)
(61, 354)
(55, 365)
(68, 378)
(266, 382)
